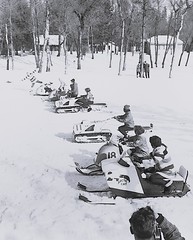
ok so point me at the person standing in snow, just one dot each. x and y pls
(163, 164)
(127, 119)
(138, 70)
(140, 149)
(146, 224)
(147, 70)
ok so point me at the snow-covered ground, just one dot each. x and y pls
(38, 193)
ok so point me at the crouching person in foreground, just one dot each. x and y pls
(148, 225)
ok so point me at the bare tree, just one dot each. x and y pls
(6, 9)
(46, 41)
(35, 31)
(179, 9)
(122, 34)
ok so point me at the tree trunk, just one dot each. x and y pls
(111, 55)
(125, 54)
(142, 40)
(189, 50)
(173, 55)
(79, 43)
(59, 45)
(183, 49)
(121, 46)
(65, 53)
(34, 32)
(46, 37)
(156, 49)
(168, 45)
(187, 59)
(92, 50)
(7, 42)
(11, 37)
(122, 35)
(150, 55)
(49, 61)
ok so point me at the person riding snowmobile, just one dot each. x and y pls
(73, 92)
(112, 150)
(140, 148)
(85, 100)
(163, 164)
(127, 119)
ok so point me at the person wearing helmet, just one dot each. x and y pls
(73, 92)
(140, 148)
(85, 100)
(163, 164)
(127, 119)
(112, 150)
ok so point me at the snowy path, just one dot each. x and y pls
(38, 192)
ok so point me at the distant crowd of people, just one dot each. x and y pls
(146, 70)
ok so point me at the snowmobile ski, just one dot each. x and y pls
(88, 172)
(86, 189)
(85, 199)
(68, 109)
(91, 137)
(86, 167)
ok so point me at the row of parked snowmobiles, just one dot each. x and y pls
(62, 102)
(122, 180)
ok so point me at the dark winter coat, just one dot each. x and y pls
(74, 89)
(127, 119)
(169, 231)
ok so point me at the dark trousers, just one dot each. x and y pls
(158, 179)
(124, 129)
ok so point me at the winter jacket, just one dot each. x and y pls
(138, 68)
(127, 119)
(74, 89)
(139, 142)
(90, 97)
(162, 159)
(169, 231)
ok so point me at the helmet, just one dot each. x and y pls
(73, 80)
(138, 129)
(155, 141)
(126, 108)
(87, 89)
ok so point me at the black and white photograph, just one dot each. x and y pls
(96, 123)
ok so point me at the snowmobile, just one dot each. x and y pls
(65, 105)
(56, 94)
(96, 131)
(90, 132)
(127, 181)
(44, 89)
(38, 88)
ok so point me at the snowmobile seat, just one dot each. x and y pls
(180, 176)
(183, 172)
